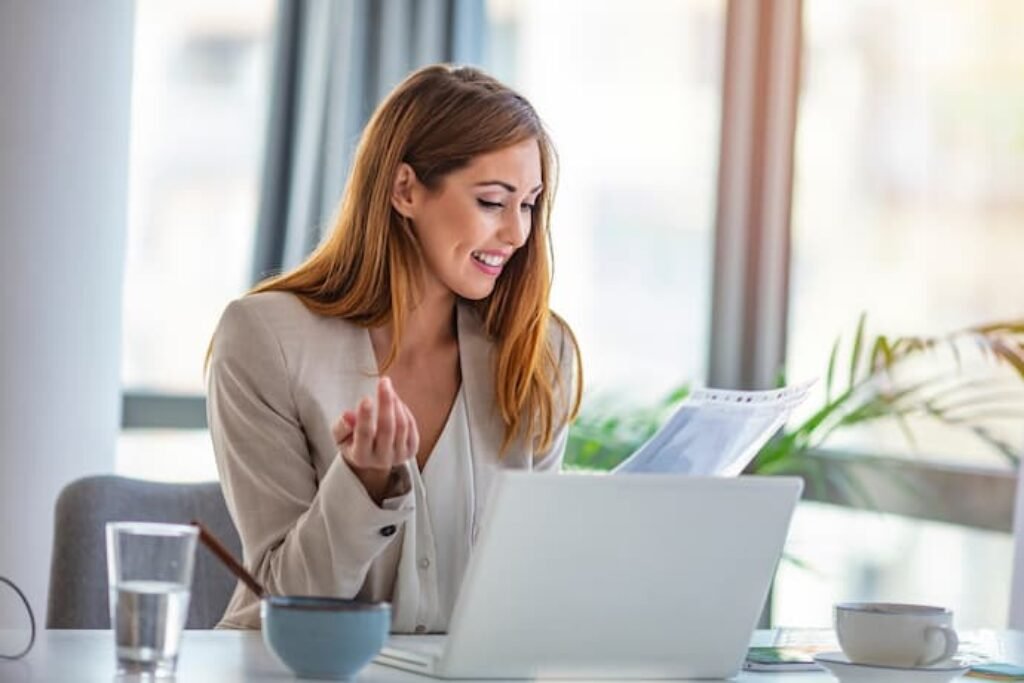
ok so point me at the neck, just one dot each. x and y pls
(428, 326)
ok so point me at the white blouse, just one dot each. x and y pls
(446, 478)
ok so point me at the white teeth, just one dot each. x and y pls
(489, 259)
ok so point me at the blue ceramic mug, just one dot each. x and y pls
(324, 637)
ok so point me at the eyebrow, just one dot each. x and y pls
(507, 186)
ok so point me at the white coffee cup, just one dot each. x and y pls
(890, 634)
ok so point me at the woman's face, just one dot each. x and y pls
(470, 226)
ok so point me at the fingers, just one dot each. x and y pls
(412, 444)
(384, 441)
(361, 453)
(404, 444)
(342, 429)
(379, 434)
(402, 419)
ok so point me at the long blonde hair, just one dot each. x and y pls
(437, 120)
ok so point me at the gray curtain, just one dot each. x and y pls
(334, 61)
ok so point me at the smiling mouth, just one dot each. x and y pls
(490, 260)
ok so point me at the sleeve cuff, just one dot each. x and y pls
(342, 492)
(400, 491)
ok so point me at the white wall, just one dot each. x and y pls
(65, 77)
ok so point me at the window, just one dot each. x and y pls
(631, 93)
(909, 183)
(200, 88)
(908, 205)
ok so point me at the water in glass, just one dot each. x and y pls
(149, 617)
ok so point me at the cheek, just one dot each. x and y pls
(464, 228)
(450, 232)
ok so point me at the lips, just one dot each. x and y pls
(490, 258)
(489, 262)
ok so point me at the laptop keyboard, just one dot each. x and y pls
(428, 646)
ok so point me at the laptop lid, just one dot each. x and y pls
(629, 576)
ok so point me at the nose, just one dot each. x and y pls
(515, 229)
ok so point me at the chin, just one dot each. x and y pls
(474, 293)
(473, 289)
(469, 284)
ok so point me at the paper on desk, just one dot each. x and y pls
(716, 432)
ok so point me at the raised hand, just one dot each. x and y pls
(377, 437)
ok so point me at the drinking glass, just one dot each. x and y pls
(149, 567)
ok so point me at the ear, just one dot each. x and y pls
(403, 196)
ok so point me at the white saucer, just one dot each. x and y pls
(842, 668)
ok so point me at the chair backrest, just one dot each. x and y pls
(78, 571)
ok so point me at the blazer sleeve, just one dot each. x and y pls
(300, 536)
(565, 387)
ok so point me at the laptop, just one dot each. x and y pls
(611, 576)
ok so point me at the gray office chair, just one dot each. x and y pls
(78, 571)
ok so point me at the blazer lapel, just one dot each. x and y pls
(476, 355)
(476, 358)
(486, 428)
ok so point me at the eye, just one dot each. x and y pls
(490, 205)
(528, 207)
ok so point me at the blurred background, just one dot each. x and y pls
(739, 182)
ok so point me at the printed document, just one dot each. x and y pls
(716, 432)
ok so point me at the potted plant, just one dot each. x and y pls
(963, 379)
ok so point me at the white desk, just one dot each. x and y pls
(232, 656)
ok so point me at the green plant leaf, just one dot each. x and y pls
(803, 565)
(676, 395)
(830, 373)
(1005, 449)
(881, 355)
(858, 342)
(1009, 353)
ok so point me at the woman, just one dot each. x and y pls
(361, 404)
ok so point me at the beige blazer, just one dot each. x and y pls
(279, 377)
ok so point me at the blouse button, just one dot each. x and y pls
(388, 530)
(424, 563)
(420, 628)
